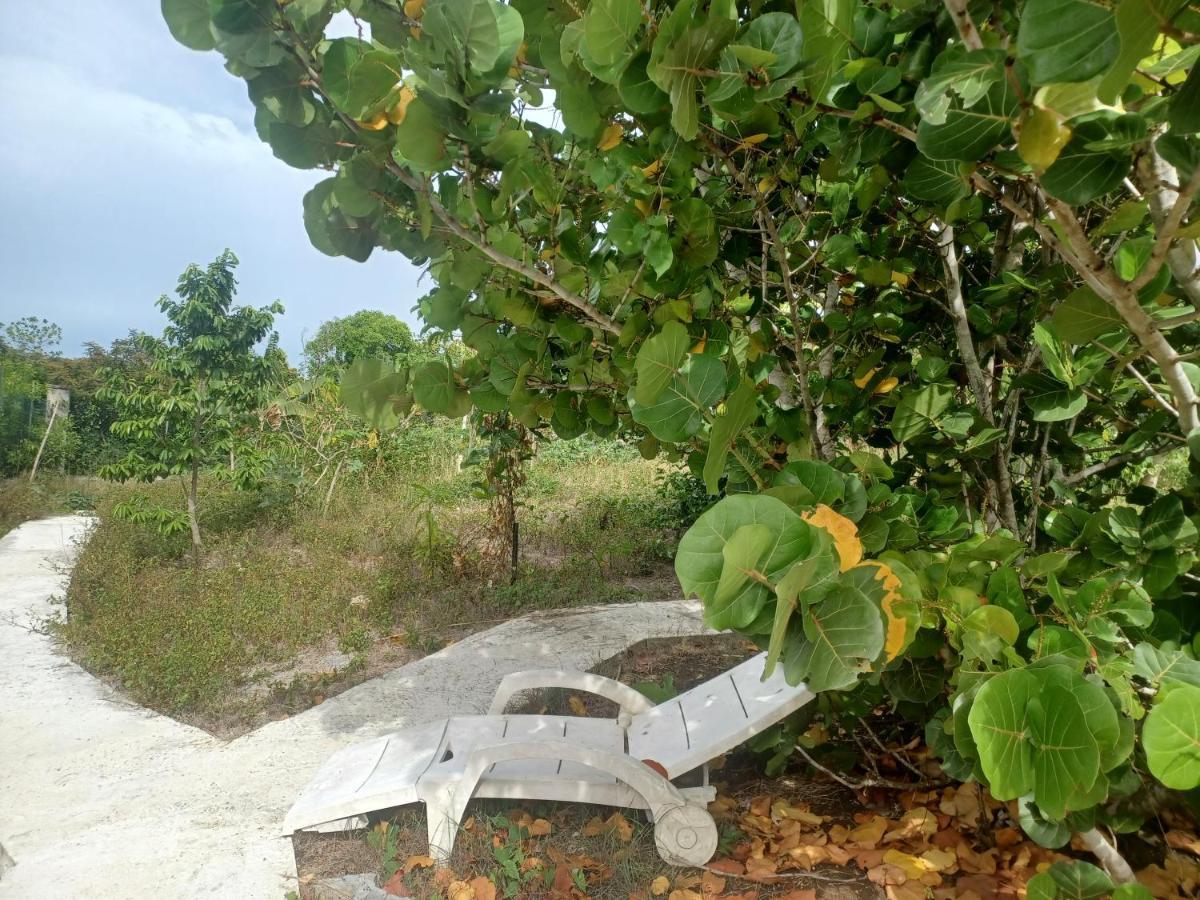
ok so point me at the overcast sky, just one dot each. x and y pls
(125, 156)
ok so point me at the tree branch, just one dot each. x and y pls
(964, 23)
(1158, 179)
(537, 276)
(1168, 227)
(1119, 459)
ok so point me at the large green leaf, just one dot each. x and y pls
(970, 132)
(436, 388)
(776, 35)
(1034, 736)
(1171, 738)
(474, 32)
(679, 411)
(1184, 109)
(357, 78)
(842, 635)
(420, 139)
(1074, 880)
(190, 23)
(1084, 316)
(740, 410)
(1137, 23)
(609, 28)
(1081, 174)
(1051, 400)
(1066, 40)
(958, 72)
(330, 231)
(936, 181)
(700, 558)
(1162, 665)
(658, 361)
(683, 49)
(807, 581)
(375, 390)
(918, 410)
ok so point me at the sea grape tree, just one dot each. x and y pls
(912, 281)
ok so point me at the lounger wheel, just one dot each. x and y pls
(686, 836)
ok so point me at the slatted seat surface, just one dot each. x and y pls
(714, 717)
(466, 732)
(367, 776)
(385, 772)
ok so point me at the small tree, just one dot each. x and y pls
(191, 409)
(364, 334)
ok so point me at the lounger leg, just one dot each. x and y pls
(442, 820)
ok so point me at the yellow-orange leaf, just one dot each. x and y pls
(539, 828)
(888, 384)
(414, 9)
(460, 890)
(897, 625)
(417, 862)
(899, 279)
(863, 380)
(660, 885)
(651, 170)
(754, 139)
(482, 888)
(913, 866)
(577, 706)
(399, 110)
(378, 123)
(844, 534)
(611, 137)
(643, 206)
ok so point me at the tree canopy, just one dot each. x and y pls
(914, 281)
(366, 334)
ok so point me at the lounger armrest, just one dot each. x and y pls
(683, 829)
(630, 701)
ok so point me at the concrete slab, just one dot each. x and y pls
(105, 799)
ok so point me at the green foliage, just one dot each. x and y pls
(360, 335)
(194, 407)
(898, 281)
(276, 581)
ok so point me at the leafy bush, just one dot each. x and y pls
(896, 279)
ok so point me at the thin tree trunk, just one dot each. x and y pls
(193, 520)
(1112, 860)
(332, 482)
(37, 460)
(1002, 480)
(193, 493)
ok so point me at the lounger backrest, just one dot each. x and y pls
(714, 717)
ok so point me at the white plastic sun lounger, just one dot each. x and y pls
(629, 761)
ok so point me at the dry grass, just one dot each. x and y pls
(390, 572)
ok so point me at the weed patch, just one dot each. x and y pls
(290, 604)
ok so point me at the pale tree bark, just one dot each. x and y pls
(979, 383)
(37, 460)
(1161, 186)
(1110, 858)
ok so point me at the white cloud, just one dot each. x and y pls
(121, 170)
(58, 124)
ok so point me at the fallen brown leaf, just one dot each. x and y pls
(660, 885)
(482, 888)
(417, 862)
